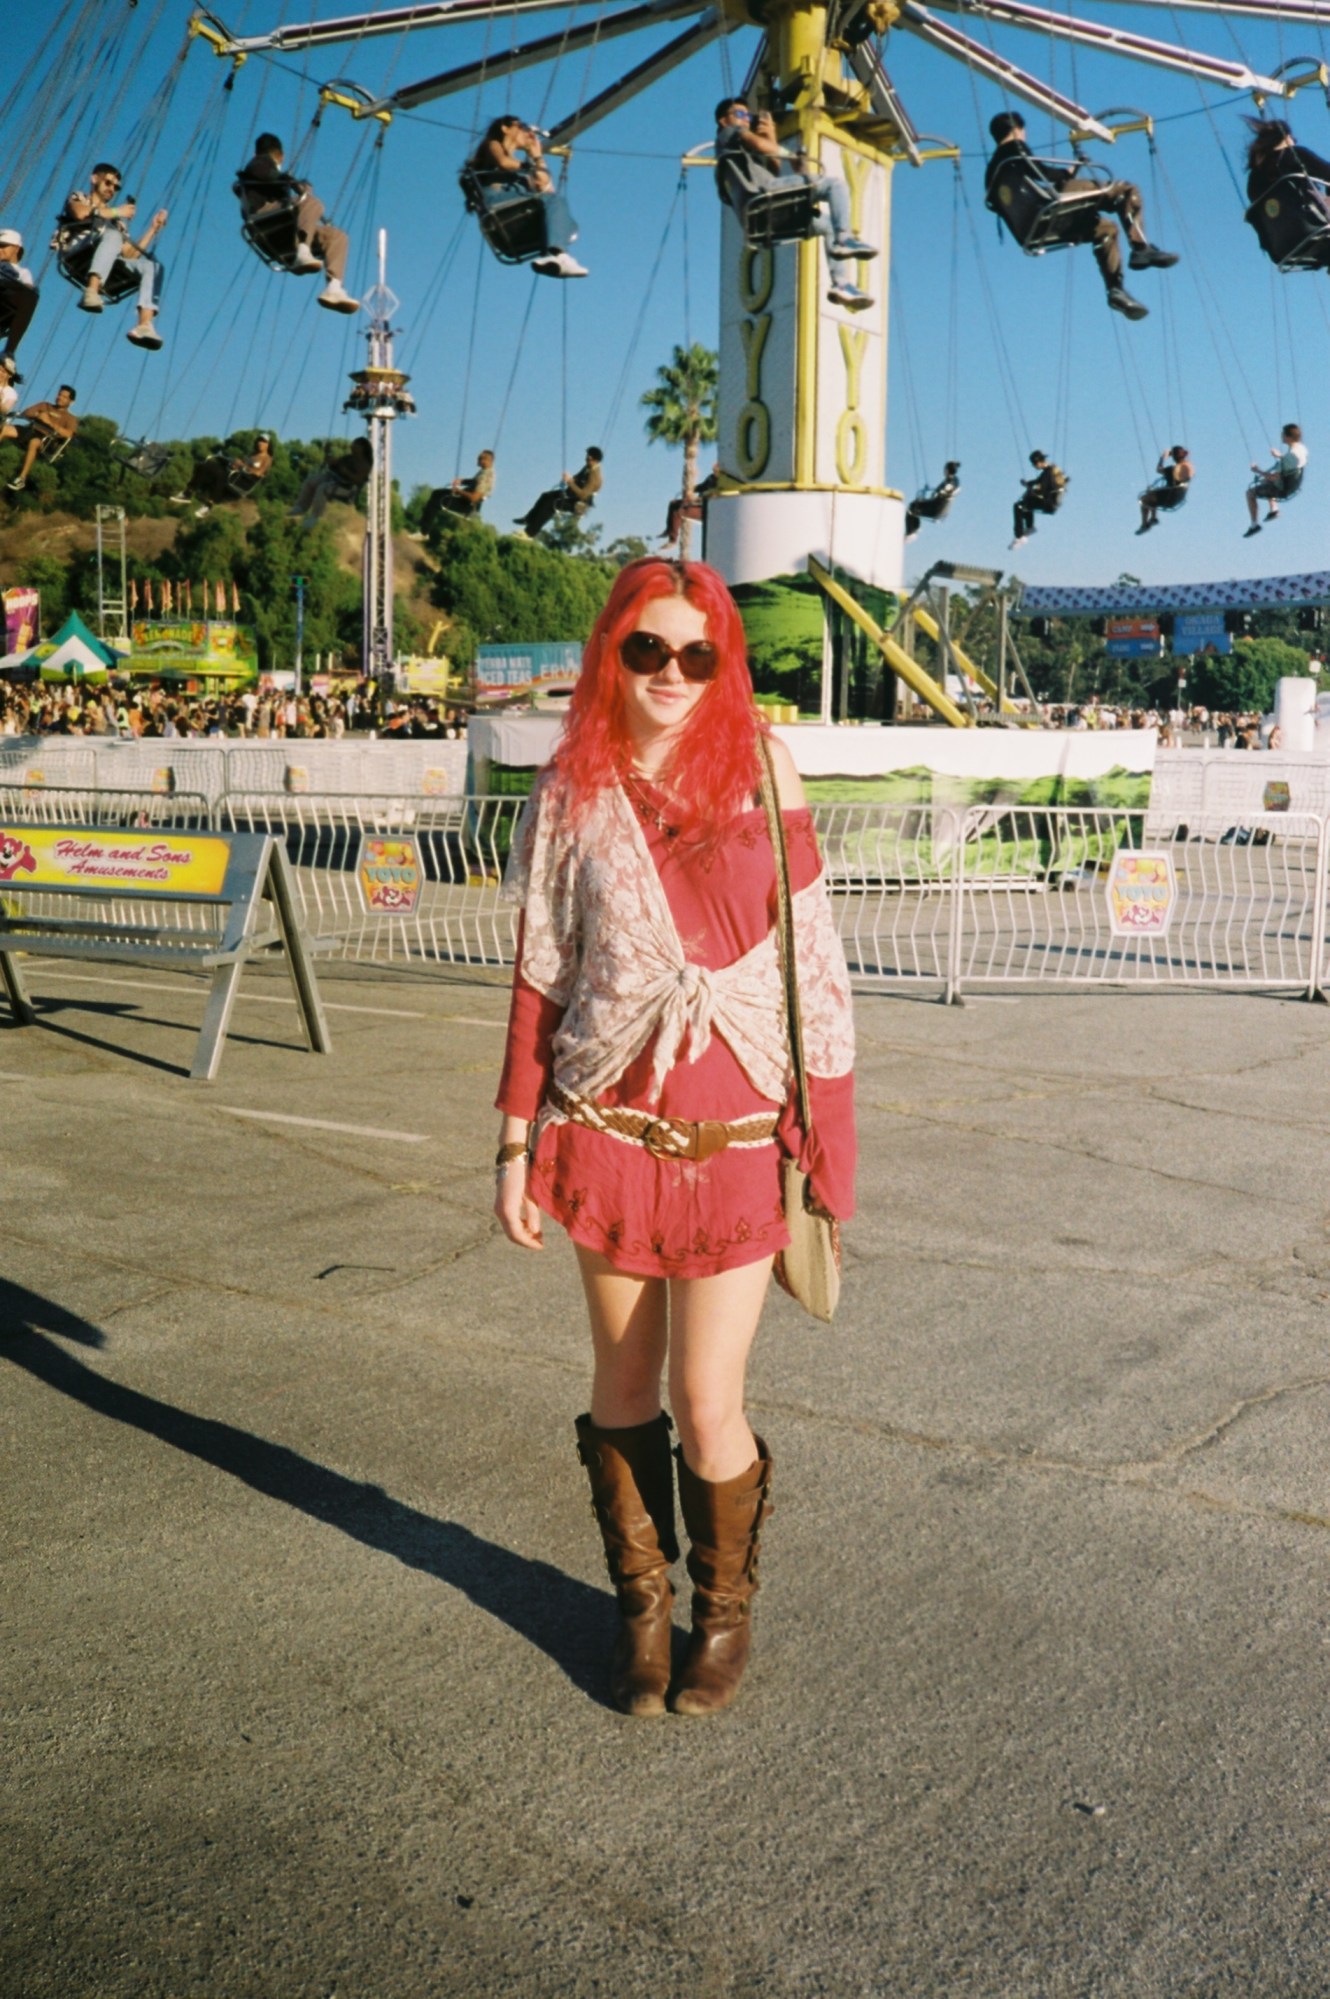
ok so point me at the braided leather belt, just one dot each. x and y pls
(664, 1137)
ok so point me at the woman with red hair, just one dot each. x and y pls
(647, 1096)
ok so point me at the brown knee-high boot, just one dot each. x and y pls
(632, 1497)
(723, 1523)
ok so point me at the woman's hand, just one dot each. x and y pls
(519, 1217)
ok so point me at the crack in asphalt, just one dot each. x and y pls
(1138, 1475)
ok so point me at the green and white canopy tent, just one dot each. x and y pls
(74, 653)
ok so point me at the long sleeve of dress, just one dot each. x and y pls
(528, 1059)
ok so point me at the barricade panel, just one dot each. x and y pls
(1065, 895)
(890, 872)
(392, 879)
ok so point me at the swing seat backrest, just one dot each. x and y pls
(74, 254)
(52, 447)
(1027, 199)
(1292, 223)
(269, 227)
(511, 216)
(781, 214)
(146, 459)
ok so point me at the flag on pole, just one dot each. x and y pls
(168, 597)
(235, 599)
(219, 600)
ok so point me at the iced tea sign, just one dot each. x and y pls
(1141, 894)
(389, 873)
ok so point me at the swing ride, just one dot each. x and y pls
(802, 404)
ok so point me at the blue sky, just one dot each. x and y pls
(992, 353)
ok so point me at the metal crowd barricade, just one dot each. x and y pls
(1245, 900)
(454, 847)
(891, 871)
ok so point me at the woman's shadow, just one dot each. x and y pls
(564, 1618)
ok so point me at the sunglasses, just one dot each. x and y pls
(643, 652)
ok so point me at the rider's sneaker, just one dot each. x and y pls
(1123, 302)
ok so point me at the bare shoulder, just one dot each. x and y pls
(789, 786)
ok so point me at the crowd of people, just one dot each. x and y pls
(133, 713)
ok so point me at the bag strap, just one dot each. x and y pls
(785, 932)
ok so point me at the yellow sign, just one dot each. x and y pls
(390, 874)
(1141, 892)
(164, 863)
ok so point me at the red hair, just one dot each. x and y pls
(714, 765)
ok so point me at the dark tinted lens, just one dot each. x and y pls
(643, 652)
(697, 661)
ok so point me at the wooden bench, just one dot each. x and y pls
(210, 902)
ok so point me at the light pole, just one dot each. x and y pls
(299, 582)
(379, 393)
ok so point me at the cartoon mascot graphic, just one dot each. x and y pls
(16, 857)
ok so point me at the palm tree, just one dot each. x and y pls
(683, 411)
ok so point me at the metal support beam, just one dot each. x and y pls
(509, 62)
(1018, 82)
(923, 684)
(1118, 42)
(712, 25)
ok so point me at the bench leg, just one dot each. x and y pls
(299, 959)
(18, 999)
(216, 1020)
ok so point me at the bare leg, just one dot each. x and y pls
(628, 1334)
(713, 1321)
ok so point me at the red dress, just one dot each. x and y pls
(682, 1217)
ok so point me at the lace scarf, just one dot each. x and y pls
(601, 941)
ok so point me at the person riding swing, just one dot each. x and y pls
(1029, 193)
(1168, 489)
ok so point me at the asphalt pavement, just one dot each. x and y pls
(304, 1615)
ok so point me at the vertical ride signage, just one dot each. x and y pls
(849, 425)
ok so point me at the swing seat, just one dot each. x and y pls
(511, 217)
(53, 446)
(269, 228)
(1292, 224)
(780, 215)
(1167, 499)
(73, 258)
(1289, 483)
(148, 460)
(784, 213)
(242, 485)
(1038, 214)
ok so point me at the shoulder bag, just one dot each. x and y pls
(810, 1268)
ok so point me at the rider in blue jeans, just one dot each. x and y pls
(96, 218)
(751, 160)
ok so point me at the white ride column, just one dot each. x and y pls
(802, 408)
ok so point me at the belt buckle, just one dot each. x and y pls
(663, 1140)
(712, 1137)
